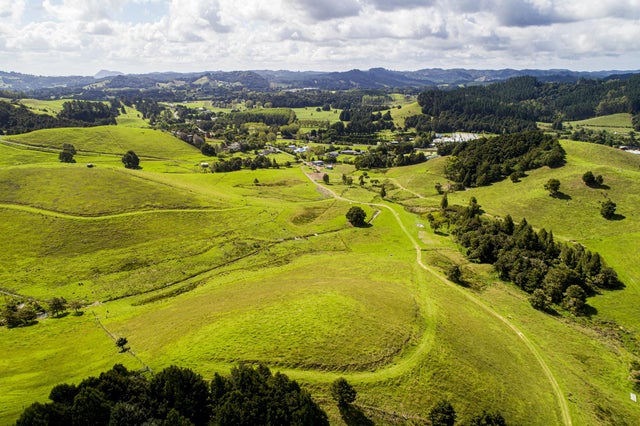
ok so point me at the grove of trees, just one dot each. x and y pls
(178, 396)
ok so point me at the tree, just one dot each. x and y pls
(454, 273)
(553, 186)
(488, 419)
(356, 216)
(539, 300)
(608, 209)
(383, 192)
(342, 392)
(442, 414)
(121, 343)
(438, 187)
(325, 179)
(57, 305)
(131, 160)
(575, 299)
(588, 178)
(76, 305)
(67, 153)
(183, 390)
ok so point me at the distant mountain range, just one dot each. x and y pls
(375, 78)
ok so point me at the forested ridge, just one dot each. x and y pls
(517, 104)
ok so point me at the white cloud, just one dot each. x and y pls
(74, 36)
(12, 9)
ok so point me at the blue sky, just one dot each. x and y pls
(62, 37)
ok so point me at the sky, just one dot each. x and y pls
(82, 37)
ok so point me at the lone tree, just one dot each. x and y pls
(442, 414)
(383, 192)
(67, 153)
(608, 209)
(131, 160)
(553, 186)
(57, 305)
(356, 216)
(325, 179)
(122, 343)
(343, 392)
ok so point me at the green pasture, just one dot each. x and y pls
(131, 118)
(51, 107)
(620, 123)
(206, 270)
(406, 110)
(110, 140)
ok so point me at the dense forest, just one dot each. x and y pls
(517, 104)
(487, 160)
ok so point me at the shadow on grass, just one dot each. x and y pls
(617, 217)
(60, 315)
(561, 196)
(589, 311)
(353, 416)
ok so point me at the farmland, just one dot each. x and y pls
(206, 270)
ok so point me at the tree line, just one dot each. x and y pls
(178, 396)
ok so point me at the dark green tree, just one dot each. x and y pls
(57, 306)
(383, 192)
(442, 414)
(539, 300)
(588, 178)
(325, 178)
(121, 343)
(183, 390)
(574, 299)
(356, 216)
(553, 186)
(488, 419)
(608, 209)
(67, 153)
(131, 160)
(454, 273)
(342, 392)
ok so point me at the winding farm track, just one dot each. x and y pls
(562, 402)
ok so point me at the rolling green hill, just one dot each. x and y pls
(207, 270)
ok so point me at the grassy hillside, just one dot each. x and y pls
(207, 270)
(110, 140)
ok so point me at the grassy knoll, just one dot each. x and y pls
(110, 140)
(15, 156)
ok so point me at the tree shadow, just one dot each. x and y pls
(617, 217)
(599, 186)
(353, 416)
(78, 313)
(589, 311)
(60, 315)
(561, 196)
